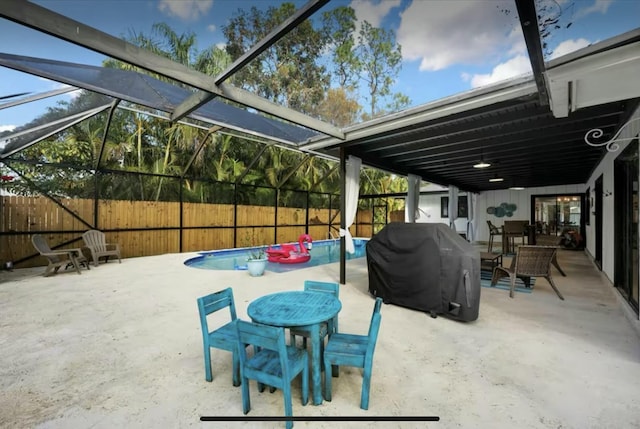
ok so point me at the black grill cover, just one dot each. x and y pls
(425, 266)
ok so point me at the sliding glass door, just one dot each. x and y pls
(626, 224)
(559, 215)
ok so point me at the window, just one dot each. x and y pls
(463, 208)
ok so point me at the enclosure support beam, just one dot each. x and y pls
(202, 97)
(322, 179)
(293, 170)
(343, 221)
(37, 97)
(96, 174)
(210, 133)
(106, 131)
(57, 25)
(251, 164)
(44, 193)
(78, 118)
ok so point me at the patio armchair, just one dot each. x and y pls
(551, 240)
(58, 258)
(530, 261)
(96, 243)
(356, 351)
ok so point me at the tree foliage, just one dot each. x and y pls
(296, 72)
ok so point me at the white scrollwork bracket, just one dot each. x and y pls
(611, 144)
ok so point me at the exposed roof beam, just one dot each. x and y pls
(202, 97)
(54, 24)
(529, 22)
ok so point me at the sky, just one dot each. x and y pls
(448, 46)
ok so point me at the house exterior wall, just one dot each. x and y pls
(605, 168)
(430, 207)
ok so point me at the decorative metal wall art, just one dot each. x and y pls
(504, 209)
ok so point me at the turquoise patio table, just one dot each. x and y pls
(299, 308)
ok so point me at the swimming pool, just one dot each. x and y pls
(322, 252)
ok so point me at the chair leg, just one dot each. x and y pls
(207, 363)
(246, 400)
(236, 369)
(490, 247)
(554, 261)
(288, 409)
(512, 289)
(305, 383)
(366, 385)
(75, 264)
(327, 381)
(553, 285)
(49, 269)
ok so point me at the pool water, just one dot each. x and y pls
(322, 252)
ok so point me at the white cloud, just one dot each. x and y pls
(441, 34)
(568, 46)
(211, 28)
(371, 11)
(599, 6)
(514, 67)
(187, 10)
(4, 128)
(221, 45)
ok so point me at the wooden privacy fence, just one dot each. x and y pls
(145, 228)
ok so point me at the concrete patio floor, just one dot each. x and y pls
(120, 346)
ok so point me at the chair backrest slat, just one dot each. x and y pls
(493, 230)
(263, 336)
(214, 302)
(96, 239)
(42, 246)
(327, 287)
(534, 260)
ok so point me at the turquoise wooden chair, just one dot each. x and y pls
(326, 328)
(224, 337)
(273, 363)
(354, 350)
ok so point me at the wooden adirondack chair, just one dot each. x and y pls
(96, 242)
(58, 258)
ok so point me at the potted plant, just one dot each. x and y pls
(256, 262)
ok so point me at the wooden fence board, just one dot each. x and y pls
(256, 215)
(197, 214)
(291, 216)
(195, 240)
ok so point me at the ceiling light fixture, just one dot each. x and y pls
(496, 179)
(481, 164)
(517, 188)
